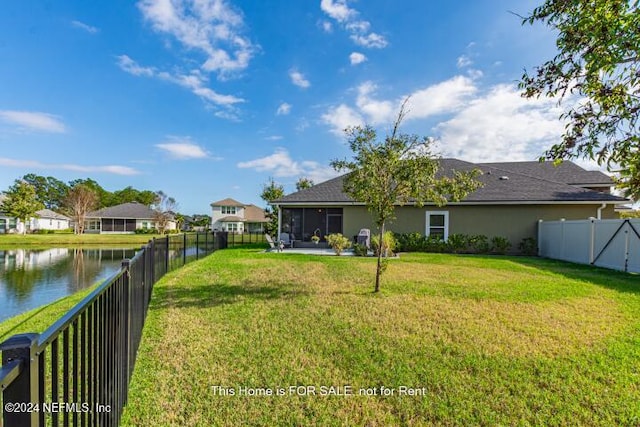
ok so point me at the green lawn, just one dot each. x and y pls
(483, 340)
(8, 241)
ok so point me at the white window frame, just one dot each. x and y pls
(232, 227)
(228, 210)
(428, 215)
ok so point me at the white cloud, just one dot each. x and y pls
(33, 121)
(273, 138)
(298, 79)
(195, 81)
(445, 97)
(88, 28)
(375, 111)
(371, 40)
(326, 26)
(283, 109)
(338, 10)
(341, 117)
(212, 27)
(357, 58)
(464, 61)
(501, 125)
(182, 148)
(32, 164)
(280, 164)
(132, 67)
(357, 28)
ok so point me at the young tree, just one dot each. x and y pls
(270, 192)
(21, 202)
(598, 62)
(80, 200)
(304, 183)
(396, 171)
(164, 210)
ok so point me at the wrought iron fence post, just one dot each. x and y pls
(23, 390)
(166, 256)
(184, 248)
(126, 266)
(197, 245)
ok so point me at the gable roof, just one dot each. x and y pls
(566, 172)
(252, 213)
(516, 188)
(126, 210)
(48, 213)
(228, 202)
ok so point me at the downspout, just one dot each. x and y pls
(599, 211)
(279, 223)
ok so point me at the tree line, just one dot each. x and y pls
(76, 198)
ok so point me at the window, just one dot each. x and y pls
(3, 224)
(228, 210)
(438, 224)
(12, 223)
(232, 226)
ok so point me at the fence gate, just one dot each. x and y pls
(609, 243)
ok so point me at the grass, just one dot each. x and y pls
(8, 241)
(483, 340)
(39, 319)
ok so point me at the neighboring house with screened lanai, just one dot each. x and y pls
(236, 217)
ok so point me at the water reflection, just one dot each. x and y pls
(30, 278)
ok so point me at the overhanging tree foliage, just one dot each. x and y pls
(599, 64)
(398, 170)
(21, 202)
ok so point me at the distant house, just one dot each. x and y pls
(124, 218)
(231, 215)
(513, 197)
(45, 219)
(49, 220)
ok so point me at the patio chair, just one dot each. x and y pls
(272, 244)
(285, 240)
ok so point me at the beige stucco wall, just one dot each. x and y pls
(513, 222)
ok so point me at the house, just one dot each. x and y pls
(514, 196)
(230, 215)
(123, 218)
(45, 219)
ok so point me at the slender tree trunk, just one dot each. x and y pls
(379, 268)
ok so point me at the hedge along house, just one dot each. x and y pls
(235, 217)
(124, 218)
(514, 196)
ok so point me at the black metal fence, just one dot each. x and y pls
(241, 239)
(77, 372)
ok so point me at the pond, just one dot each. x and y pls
(30, 278)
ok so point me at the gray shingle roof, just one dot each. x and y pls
(125, 210)
(518, 188)
(566, 172)
(227, 202)
(48, 213)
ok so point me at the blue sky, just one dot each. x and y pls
(207, 99)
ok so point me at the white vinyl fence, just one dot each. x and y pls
(609, 243)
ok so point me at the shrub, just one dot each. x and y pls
(479, 244)
(434, 244)
(360, 250)
(409, 242)
(338, 242)
(500, 245)
(388, 244)
(528, 246)
(457, 243)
